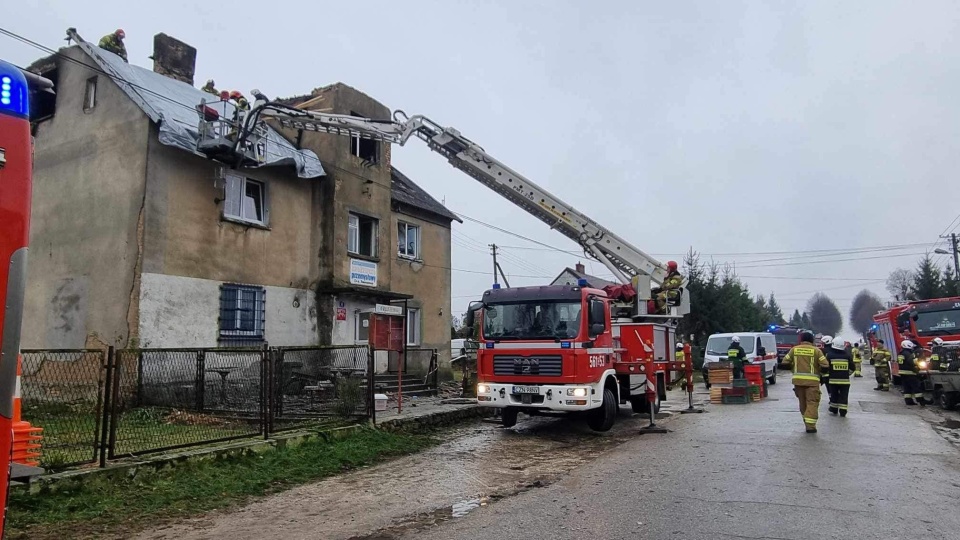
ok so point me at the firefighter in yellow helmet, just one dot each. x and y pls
(881, 366)
(114, 43)
(671, 283)
(211, 88)
(809, 367)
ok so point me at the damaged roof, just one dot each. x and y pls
(170, 103)
(403, 190)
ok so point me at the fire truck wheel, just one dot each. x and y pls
(508, 417)
(946, 400)
(602, 419)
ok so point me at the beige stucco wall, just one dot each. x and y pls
(88, 186)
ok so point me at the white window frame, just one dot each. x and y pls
(235, 199)
(414, 326)
(353, 234)
(90, 94)
(401, 248)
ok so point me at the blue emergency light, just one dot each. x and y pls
(582, 282)
(496, 285)
(13, 90)
(564, 344)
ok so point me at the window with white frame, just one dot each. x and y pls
(413, 326)
(90, 94)
(362, 235)
(245, 200)
(242, 312)
(408, 240)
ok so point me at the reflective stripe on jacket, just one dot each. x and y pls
(808, 363)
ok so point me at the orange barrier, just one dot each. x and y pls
(26, 438)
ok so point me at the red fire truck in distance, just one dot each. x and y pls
(920, 320)
(787, 337)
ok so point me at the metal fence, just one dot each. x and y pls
(98, 405)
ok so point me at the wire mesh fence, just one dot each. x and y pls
(62, 392)
(106, 404)
(310, 384)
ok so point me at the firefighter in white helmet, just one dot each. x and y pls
(938, 360)
(825, 342)
(680, 358)
(737, 356)
(909, 374)
(838, 385)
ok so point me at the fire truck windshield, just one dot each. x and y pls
(788, 339)
(938, 323)
(532, 320)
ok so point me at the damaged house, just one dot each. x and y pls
(137, 239)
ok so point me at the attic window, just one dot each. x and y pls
(365, 149)
(44, 104)
(90, 95)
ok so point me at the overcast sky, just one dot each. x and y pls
(732, 128)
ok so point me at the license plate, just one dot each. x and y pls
(526, 390)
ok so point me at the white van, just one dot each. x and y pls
(760, 347)
(458, 347)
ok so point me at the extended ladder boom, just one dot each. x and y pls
(622, 259)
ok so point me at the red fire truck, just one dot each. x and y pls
(921, 320)
(787, 337)
(15, 176)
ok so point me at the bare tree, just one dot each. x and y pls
(865, 305)
(898, 284)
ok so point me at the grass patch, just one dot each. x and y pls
(102, 507)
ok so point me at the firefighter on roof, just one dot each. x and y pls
(808, 365)
(211, 88)
(881, 366)
(114, 43)
(910, 374)
(838, 387)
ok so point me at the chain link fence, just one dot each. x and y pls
(98, 405)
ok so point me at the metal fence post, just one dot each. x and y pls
(114, 404)
(265, 360)
(201, 380)
(139, 378)
(106, 405)
(371, 388)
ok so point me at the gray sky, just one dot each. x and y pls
(730, 127)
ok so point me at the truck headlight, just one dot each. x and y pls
(577, 392)
(483, 389)
(922, 364)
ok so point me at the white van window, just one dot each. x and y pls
(770, 344)
(719, 345)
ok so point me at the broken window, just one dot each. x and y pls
(408, 240)
(362, 235)
(245, 200)
(90, 95)
(365, 149)
(44, 103)
(242, 312)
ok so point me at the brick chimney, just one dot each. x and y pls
(174, 58)
(581, 269)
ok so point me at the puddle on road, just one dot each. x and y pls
(462, 508)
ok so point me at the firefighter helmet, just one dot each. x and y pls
(235, 94)
(735, 339)
(806, 336)
(838, 344)
(826, 340)
(679, 346)
(907, 344)
(672, 266)
(120, 33)
(937, 341)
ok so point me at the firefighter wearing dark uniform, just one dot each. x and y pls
(938, 360)
(737, 356)
(909, 374)
(809, 365)
(881, 366)
(114, 43)
(838, 387)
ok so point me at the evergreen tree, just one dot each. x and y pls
(774, 311)
(951, 283)
(796, 319)
(805, 321)
(825, 317)
(927, 282)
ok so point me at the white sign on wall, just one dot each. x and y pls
(384, 309)
(363, 273)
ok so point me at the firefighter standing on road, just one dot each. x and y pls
(838, 387)
(808, 365)
(114, 43)
(857, 360)
(680, 357)
(910, 374)
(881, 367)
(738, 356)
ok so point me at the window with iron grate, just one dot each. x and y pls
(242, 312)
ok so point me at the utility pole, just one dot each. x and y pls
(956, 254)
(496, 267)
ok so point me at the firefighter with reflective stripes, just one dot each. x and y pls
(680, 357)
(737, 356)
(857, 360)
(938, 360)
(838, 387)
(910, 374)
(881, 366)
(809, 366)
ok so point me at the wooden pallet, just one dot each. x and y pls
(720, 376)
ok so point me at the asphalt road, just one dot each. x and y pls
(747, 471)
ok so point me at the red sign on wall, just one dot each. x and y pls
(341, 313)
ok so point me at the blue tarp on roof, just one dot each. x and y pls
(171, 104)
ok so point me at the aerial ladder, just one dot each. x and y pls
(627, 263)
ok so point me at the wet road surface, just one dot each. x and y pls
(750, 471)
(737, 471)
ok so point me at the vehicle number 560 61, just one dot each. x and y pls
(597, 360)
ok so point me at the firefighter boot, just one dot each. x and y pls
(909, 401)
